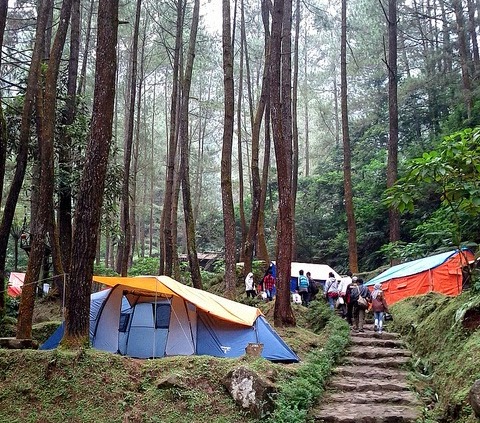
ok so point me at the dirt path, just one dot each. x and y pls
(371, 385)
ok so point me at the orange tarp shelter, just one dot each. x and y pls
(440, 273)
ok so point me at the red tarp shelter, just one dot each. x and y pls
(15, 284)
(440, 273)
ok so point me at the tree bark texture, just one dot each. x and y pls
(166, 253)
(126, 240)
(257, 209)
(347, 154)
(90, 196)
(45, 111)
(65, 156)
(226, 162)
(392, 160)
(3, 124)
(282, 135)
(241, 185)
(21, 159)
(185, 154)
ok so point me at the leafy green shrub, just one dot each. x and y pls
(318, 315)
(145, 266)
(8, 327)
(101, 270)
(12, 305)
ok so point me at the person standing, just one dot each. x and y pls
(342, 293)
(250, 286)
(351, 298)
(268, 285)
(302, 287)
(360, 306)
(379, 307)
(331, 290)
(312, 287)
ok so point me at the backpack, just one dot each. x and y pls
(303, 282)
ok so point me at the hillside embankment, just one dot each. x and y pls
(444, 335)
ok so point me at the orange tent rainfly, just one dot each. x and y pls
(440, 273)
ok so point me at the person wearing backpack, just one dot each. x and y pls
(312, 287)
(302, 288)
(379, 307)
(361, 299)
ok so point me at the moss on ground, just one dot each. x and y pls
(446, 345)
(85, 386)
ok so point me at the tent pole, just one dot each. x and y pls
(155, 319)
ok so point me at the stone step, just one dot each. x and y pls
(350, 383)
(366, 413)
(370, 371)
(377, 342)
(370, 333)
(391, 362)
(377, 352)
(372, 397)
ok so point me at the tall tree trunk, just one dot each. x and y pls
(166, 255)
(347, 160)
(262, 250)
(305, 103)
(392, 160)
(464, 56)
(65, 147)
(152, 160)
(3, 124)
(90, 196)
(296, 150)
(282, 135)
(201, 151)
(473, 35)
(335, 107)
(185, 154)
(226, 163)
(83, 71)
(22, 155)
(243, 222)
(45, 110)
(125, 243)
(257, 208)
(447, 45)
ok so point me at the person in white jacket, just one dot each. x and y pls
(342, 293)
(250, 286)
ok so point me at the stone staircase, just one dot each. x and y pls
(371, 385)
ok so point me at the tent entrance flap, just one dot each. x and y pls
(149, 321)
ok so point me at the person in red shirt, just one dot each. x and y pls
(268, 285)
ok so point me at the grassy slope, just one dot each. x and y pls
(447, 351)
(92, 386)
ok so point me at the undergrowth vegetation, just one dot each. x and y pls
(444, 334)
(299, 394)
(93, 386)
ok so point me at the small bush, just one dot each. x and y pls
(297, 395)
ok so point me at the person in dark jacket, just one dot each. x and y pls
(356, 290)
(379, 307)
(351, 297)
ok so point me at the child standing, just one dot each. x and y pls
(250, 286)
(379, 307)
